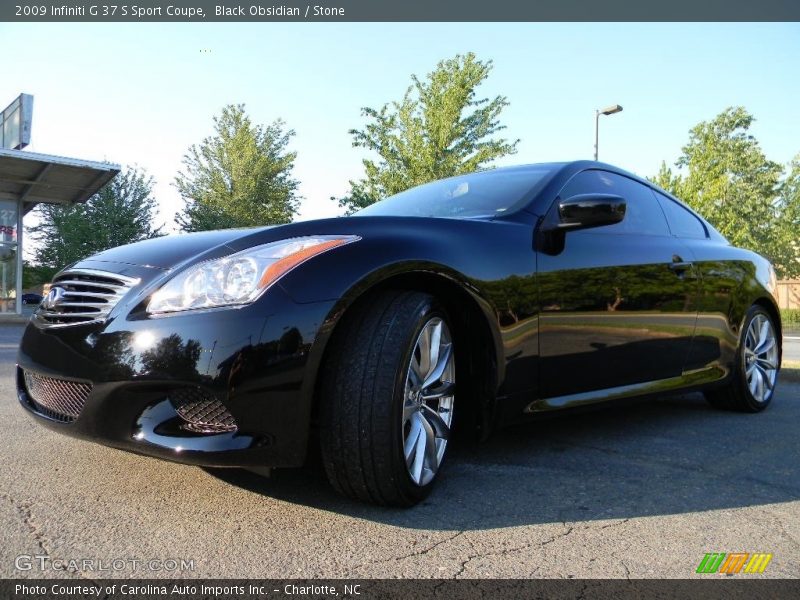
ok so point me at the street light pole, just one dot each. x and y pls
(609, 110)
(596, 132)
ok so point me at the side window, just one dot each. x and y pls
(682, 223)
(642, 214)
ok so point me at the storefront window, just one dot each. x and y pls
(8, 255)
(8, 278)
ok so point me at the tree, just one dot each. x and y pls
(438, 130)
(666, 180)
(790, 211)
(725, 176)
(240, 177)
(120, 213)
(36, 275)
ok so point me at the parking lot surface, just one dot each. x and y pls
(631, 491)
(791, 345)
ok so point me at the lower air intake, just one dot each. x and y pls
(57, 399)
(201, 412)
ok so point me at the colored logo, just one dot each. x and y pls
(734, 562)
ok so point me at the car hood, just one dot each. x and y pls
(169, 250)
(177, 250)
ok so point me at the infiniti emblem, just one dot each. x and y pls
(53, 298)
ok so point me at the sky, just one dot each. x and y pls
(141, 94)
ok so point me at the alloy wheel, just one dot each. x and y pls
(428, 401)
(760, 358)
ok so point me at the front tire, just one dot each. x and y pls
(387, 397)
(755, 374)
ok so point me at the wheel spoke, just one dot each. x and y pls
(430, 444)
(436, 422)
(435, 343)
(424, 345)
(411, 441)
(759, 395)
(765, 377)
(752, 334)
(766, 363)
(414, 374)
(409, 408)
(763, 330)
(437, 372)
(443, 391)
(765, 345)
(751, 367)
(752, 381)
(419, 456)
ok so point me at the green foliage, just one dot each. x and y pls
(789, 207)
(665, 179)
(438, 130)
(240, 177)
(36, 275)
(726, 177)
(790, 317)
(121, 213)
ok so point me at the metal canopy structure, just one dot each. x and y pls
(29, 179)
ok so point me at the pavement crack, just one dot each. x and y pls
(615, 555)
(563, 534)
(464, 563)
(507, 551)
(23, 509)
(613, 524)
(627, 570)
(422, 552)
(786, 534)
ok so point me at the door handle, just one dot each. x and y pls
(680, 266)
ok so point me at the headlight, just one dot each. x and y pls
(239, 278)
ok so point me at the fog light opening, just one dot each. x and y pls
(201, 412)
(57, 399)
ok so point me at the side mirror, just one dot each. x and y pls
(590, 210)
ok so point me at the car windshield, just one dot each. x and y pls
(482, 194)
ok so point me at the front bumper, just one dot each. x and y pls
(253, 360)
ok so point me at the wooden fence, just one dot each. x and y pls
(789, 293)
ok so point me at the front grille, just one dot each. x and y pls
(201, 412)
(57, 399)
(81, 296)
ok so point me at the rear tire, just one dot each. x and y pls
(755, 373)
(386, 409)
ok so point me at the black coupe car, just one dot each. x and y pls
(470, 302)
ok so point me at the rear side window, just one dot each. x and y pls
(642, 213)
(682, 223)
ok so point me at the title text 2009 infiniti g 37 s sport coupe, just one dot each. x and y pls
(470, 302)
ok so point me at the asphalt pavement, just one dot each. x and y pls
(791, 345)
(643, 490)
